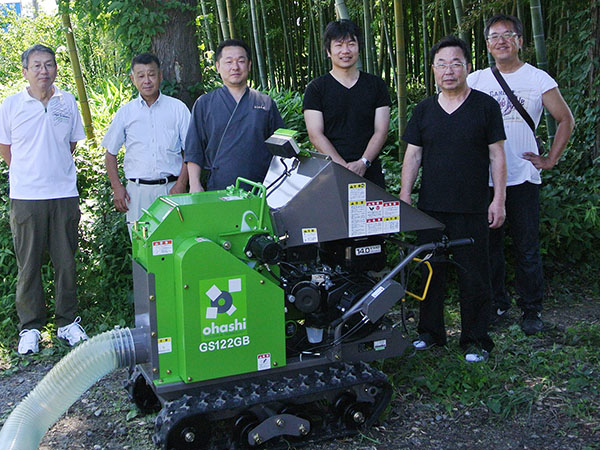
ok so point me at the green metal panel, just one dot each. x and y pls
(232, 317)
(194, 244)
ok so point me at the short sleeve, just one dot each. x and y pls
(183, 123)
(383, 95)
(312, 96)
(495, 125)
(5, 134)
(412, 133)
(545, 81)
(77, 132)
(115, 136)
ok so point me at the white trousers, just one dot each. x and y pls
(141, 196)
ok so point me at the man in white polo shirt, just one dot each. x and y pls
(39, 129)
(153, 128)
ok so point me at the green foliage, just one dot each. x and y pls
(132, 22)
(22, 33)
(522, 371)
(289, 104)
(570, 216)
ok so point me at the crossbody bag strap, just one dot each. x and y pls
(513, 99)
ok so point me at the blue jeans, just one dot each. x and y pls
(522, 224)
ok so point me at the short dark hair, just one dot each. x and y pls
(145, 58)
(233, 43)
(517, 24)
(341, 29)
(450, 41)
(35, 48)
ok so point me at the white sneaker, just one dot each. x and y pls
(478, 357)
(29, 342)
(73, 333)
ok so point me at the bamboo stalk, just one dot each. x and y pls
(74, 57)
(401, 65)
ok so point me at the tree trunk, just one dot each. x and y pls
(388, 42)
(367, 36)
(341, 10)
(230, 18)
(414, 13)
(260, 59)
(74, 57)
(177, 49)
(401, 64)
(207, 30)
(540, 53)
(222, 11)
(288, 49)
(458, 9)
(318, 53)
(272, 80)
(425, 50)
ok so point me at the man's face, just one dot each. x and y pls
(233, 66)
(450, 69)
(146, 78)
(343, 52)
(502, 41)
(40, 71)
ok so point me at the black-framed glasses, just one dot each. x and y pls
(507, 35)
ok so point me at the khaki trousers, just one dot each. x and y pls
(37, 226)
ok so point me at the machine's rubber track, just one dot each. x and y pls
(328, 397)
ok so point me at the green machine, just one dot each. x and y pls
(257, 310)
(205, 325)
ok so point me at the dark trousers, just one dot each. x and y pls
(473, 280)
(37, 226)
(522, 224)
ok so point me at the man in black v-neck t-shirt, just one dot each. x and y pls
(456, 137)
(347, 111)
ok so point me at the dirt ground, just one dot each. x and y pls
(103, 418)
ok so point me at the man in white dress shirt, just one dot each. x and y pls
(152, 128)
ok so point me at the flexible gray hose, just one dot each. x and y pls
(63, 385)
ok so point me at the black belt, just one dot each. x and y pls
(165, 180)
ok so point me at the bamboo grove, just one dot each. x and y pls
(285, 36)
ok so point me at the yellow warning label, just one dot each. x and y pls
(356, 186)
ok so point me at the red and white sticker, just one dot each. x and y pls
(162, 247)
(264, 361)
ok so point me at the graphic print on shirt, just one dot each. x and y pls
(59, 111)
(509, 113)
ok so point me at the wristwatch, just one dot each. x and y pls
(366, 161)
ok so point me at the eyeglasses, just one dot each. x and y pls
(453, 66)
(37, 67)
(507, 35)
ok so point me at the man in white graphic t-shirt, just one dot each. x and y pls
(534, 89)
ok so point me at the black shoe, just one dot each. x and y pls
(531, 322)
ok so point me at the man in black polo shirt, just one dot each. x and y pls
(347, 112)
(456, 136)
